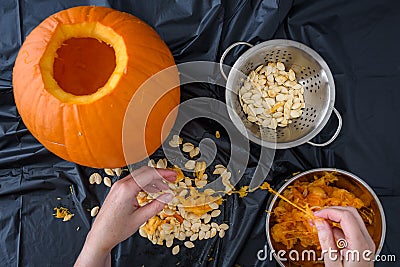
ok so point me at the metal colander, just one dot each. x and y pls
(311, 71)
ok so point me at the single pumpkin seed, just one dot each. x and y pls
(151, 163)
(280, 66)
(161, 164)
(202, 234)
(175, 250)
(173, 144)
(213, 205)
(296, 105)
(295, 113)
(201, 183)
(97, 178)
(169, 243)
(187, 147)
(92, 179)
(221, 233)
(292, 75)
(208, 235)
(107, 181)
(109, 172)
(190, 164)
(142, 232)
(118, 171)
(297, 86)
(193, 153)
(194, 237)
(213, 232)
(189, 244)
(209, 192)
(215, 213)
(94, 211)
(207, 219)
(224, 226)
(219, 170)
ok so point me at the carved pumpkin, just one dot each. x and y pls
(75, 76)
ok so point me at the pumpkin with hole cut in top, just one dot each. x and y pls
(75, 76)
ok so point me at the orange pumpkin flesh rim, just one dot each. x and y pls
(75, 76)
(70, 41)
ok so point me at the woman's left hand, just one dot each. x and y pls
(121, 216)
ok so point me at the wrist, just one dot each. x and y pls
(96, 245)
(93, 254)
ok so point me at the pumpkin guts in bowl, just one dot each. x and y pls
(292, 225)
(293, 220)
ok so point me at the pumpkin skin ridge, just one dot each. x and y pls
(66, 150)
(83, 131)
(169, 90)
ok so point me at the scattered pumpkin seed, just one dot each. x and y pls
(194, 237)
(189, 244)
(118, 171)
(221, 233)
(109, 172)
(187, 147)
(194, 152)
(175, 250)
(190, 164)
(107, 181)
(151, 163)
(215, 213)
(224, 226)
(94, 211)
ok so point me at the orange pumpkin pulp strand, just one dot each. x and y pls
(307, 211)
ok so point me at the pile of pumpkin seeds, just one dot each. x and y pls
(190, 215)
(271, 96)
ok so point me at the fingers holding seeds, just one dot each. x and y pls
(144, 176)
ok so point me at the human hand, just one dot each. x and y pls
(353, 232)
(121, 216)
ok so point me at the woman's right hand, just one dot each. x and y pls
(356, 238)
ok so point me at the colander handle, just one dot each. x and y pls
(340, 123)
(221, 61)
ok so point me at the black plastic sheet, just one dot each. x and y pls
(358, 40)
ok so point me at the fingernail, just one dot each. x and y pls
(310, 222)
(316, 212)
(165, 198)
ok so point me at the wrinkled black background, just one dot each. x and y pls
(359, 41)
